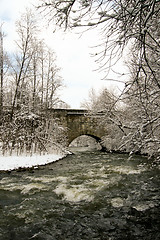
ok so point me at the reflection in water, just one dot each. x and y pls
(87, 195)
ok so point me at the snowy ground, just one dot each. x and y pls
(15, 162)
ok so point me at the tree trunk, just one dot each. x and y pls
(34, 83)
(1, 72)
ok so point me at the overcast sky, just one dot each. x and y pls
(73, 54)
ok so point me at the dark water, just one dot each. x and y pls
(89, 195)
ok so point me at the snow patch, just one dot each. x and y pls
(15, 162)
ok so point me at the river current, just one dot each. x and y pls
(87, 195)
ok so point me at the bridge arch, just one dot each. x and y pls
(77, 135)
(88, 140)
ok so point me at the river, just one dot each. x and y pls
(87, 195)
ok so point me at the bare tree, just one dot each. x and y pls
(32, 84)
(35, 58)
(49, 82)
(123, 23)
(1, 70)
(26, 29)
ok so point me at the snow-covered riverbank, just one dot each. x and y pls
(15, 162)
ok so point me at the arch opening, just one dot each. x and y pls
(85, 143)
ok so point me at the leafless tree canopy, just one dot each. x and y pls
(29, 85)
(123, 23)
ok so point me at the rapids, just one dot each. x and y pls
(87, 195)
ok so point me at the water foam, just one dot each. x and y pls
(117, 202)
(30, 188)
(126, 170)
(74, 193)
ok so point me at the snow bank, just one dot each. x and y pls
(15, 162)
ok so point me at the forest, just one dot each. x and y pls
(30, 81)
(123, 24)
(33, 77)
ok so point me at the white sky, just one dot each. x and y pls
(73, 54)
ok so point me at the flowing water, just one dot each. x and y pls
(88, 195)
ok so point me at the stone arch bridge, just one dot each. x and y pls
(78, 122)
